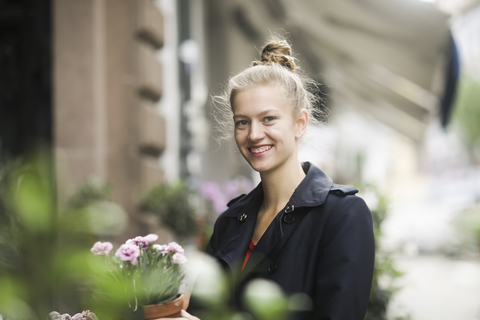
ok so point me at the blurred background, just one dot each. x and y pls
(120, 93)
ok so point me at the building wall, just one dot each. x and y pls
(107, 80)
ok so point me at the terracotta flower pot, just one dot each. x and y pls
(170, 309)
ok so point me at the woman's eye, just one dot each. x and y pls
(268, 119)
(242, 123)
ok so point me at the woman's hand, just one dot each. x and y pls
(185, 316)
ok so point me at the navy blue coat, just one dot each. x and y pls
(320, 244)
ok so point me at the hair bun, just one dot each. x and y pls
(277, 51)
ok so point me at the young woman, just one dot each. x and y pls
(296, 227)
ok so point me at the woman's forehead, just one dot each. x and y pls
(260, 99)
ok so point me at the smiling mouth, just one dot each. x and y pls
(260, 150)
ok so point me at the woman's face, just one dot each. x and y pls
(266, 132)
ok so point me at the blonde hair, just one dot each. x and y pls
(276, 66)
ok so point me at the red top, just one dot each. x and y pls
(249, 252)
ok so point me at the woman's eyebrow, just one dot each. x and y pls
(260, 114)
(268, 111)
(239, 116)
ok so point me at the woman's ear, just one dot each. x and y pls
(301, 124)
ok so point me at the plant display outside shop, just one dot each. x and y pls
(46, 265)
(385, 272)
(172, 204)
(219, 194)
(151, 273)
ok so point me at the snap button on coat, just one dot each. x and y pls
(288, 218)
(242, 217)
(272, 268)
(289, 208)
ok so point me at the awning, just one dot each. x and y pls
(385, 57)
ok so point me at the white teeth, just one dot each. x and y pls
(261, 149)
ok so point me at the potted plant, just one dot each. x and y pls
(151, 273)
(171, 203)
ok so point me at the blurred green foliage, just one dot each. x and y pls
(93, 189)
(28, 236)
(45, 264)
(385, 272)
(468, 226)
(90, 211)
(467, 111)
(171, 203)
(8, 224)
(263, 299)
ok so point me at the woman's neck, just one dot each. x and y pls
(279, 185)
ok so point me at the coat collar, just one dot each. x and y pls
(311, 192)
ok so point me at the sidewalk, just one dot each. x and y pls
(437, 288)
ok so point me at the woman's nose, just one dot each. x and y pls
(256, 131)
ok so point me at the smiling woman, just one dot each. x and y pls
(296, 228)
(265, 128)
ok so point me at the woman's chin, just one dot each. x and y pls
(260, 164)
(260, 167)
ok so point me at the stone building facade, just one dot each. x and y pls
(107, 80)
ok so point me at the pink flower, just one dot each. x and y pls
(85, 315)
(173, 246)
(77, 316)
(137, 241)
(102, 248)
(150, 238)
(161, 247)
(128, 252)
(143, 241)
(218, 196)
(209, 190)
(54, 315)
(179, 258)
(89, 315)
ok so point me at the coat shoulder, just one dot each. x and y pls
(232, 202)
(343, 190)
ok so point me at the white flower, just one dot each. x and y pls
(162, 248)
(150, 238)
(173, 246)
(101, 248)
(179, 258)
